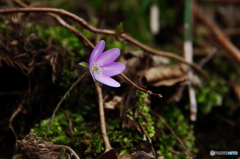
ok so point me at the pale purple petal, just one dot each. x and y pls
(105, 65)
(97, 51)
(109, 56)
(113, 69)
(106, 80)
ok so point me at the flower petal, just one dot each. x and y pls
(113, 69)
(106, 80)
(97, 51)
(109, 56)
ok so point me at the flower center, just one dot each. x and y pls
(97, 67)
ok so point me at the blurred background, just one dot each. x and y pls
(39, 62)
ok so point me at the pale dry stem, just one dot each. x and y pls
(102, 118)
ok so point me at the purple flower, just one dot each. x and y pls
(102, 66)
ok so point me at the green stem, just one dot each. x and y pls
(56, 109)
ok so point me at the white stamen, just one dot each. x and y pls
(98, 67)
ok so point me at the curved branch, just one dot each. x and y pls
(107, 32)
(226, 43)
(67, 148)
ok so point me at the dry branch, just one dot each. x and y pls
(227, 44)
(107, 32)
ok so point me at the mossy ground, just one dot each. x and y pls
(50, 66)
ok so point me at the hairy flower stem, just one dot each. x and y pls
(56, 109)
(102, 118)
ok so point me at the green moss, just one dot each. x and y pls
(82, 135)
(145, 118)
(169, 147)
(125, 140)
(86, 136)
(211, 96)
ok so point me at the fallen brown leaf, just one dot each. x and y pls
(177, 93)
(166, 75)
(159, 60)
(132, 60)
(115, 102)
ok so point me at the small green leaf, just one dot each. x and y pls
(84, 64)
(99, 83)
(119, 29)
(17, 156)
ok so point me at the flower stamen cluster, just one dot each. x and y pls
(98, 68)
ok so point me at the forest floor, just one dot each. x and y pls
(40, 51)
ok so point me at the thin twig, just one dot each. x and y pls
(164, 54)
(69, 123)
(56, 109)
(208, 57)
(102, 118)
(73, 30)
(19, 109)
(226, 43)
(67, 148)
(225, 120)
(21, 3)
(63, 23)
(139, 88)
(145, 132)
(107, 32)
(173, 133)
